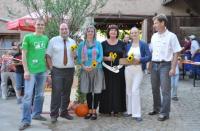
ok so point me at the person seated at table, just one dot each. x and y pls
(186, 45)
(195, 48)
(7, 71)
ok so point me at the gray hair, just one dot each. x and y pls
(161, 18)
(90, 27)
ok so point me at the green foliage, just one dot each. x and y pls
(123, 33)
(80, 97)
(54, 12)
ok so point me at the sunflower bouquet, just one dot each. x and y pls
(130, 58)
(74, 47)
(113, 56)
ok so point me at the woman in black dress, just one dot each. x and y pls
(113, 99)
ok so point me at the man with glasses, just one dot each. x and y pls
(34, 63)
(60, 60)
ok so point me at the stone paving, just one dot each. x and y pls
(185, 114)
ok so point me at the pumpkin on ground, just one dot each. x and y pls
(81, 110)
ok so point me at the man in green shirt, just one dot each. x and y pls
(34, 63)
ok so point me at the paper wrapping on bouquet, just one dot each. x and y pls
(124, 61)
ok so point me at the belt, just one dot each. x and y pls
(161, 62)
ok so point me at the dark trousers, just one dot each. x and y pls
(161, 81)
(62, 80)
(93, 100)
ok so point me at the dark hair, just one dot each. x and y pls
(161, 18)
(112, 26)
(14, 43)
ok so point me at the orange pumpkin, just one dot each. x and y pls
(81, 110)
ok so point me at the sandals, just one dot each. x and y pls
(88, 116)
(94, 116)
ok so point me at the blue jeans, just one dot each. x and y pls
(160, 81)
(36, 81)
(174, 85)
(19, 77)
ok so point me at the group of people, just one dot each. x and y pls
(112, 86)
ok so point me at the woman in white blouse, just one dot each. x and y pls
(134, 73)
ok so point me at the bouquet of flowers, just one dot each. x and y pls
(113, 56)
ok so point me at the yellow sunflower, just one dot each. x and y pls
(74, 47)
(130, 58)
(94, 64)
(113, 55)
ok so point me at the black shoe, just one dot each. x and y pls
(88, 116)
(67, 116)
(23, 126)
(175, 98)
(162, 118)
(138, 119)
(39, 117)
(153, 113)
(127, 115)
(116, 114)
(94, 116)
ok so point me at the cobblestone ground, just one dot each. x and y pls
(185, 115)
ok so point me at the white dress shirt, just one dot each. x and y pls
(164, 45)
(56, 50)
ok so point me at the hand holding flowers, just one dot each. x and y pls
(74, 47)
(130, 58)
(94, 64)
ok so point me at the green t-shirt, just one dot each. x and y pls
(35, 45)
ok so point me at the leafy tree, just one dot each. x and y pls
(74, 12)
